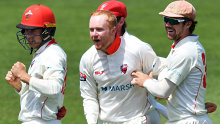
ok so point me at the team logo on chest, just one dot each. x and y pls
(124, 68)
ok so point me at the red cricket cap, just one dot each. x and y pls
(36, 16)
(116, 7)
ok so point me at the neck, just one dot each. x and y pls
(177, 41)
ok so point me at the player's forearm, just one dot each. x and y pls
(161, 89)
(46, 87)
(91, 109)
(25, 78)
(90, 103)
(17, 86)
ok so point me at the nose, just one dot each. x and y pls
(94, 32)
(29, 36)
(167, 24)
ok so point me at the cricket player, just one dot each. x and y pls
(105, 75)
(119, 10)
(183, 82)
(42, 89)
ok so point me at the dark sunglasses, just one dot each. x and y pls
(173, 21)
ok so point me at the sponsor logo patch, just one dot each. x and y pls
(82, 77)
(99, 72)
(117, 88)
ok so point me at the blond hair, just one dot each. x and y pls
(111, 21)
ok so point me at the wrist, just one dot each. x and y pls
(25, 78)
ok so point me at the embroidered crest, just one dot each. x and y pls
(124, 68)
(103, 6)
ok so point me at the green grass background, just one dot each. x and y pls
(72, 17)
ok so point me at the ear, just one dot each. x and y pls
(188, 24)
(113, 31)
(121, 22)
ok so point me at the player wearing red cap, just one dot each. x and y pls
(42, 89)
(119, 10)
(183, 82)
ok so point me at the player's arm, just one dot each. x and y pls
(151, 62)
(89, 91)
(161, 89)
(51, 77)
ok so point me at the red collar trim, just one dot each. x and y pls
(173, 46)
(115, 45)
(51, 42)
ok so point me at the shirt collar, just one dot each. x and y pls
(41, 49)
(191, 38)
(114, 46)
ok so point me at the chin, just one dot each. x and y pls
(98, 48)
(169, 37)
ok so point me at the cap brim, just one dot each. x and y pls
(168, 14)
(26, 27)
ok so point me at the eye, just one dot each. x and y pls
(91, 30)
(100, 29)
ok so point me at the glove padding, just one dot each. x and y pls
(61, 113)
(211, 107)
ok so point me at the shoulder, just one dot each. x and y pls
(133, 41)
(55, 50)
(89, 55)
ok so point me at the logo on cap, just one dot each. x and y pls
(172, 5)
(28, 14)
(103, 6)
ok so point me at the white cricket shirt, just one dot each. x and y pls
(44, 95)
(187, 69)
(131, 38)
(105, 81)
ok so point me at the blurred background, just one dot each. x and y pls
(72, 34)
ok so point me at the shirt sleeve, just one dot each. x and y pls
(179, 66)
(148, 56)
(89, 91)
(53, 71)
(151, 62)
(161, 89)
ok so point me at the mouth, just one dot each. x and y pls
(169, 30)
(96, 41)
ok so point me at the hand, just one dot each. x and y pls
(140, 78)
(211, 107)
(18, 69)
(61, 113)
(13, 81)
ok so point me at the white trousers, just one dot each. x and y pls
(139, 120)
(43, 122)
(203, 119)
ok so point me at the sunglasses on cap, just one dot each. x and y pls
(173, 21)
